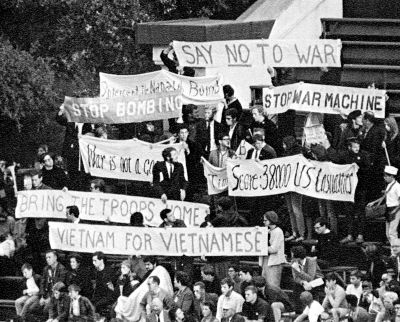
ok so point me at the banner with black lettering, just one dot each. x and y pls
(105, 207)
(195, 90)
(118, 110)
(328, 99)
(193, 241)
(260, 52)
(217, 180)
(123, 159)
(322, 180)
(243, 149)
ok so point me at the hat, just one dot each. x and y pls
(353, 115)
(391, 170)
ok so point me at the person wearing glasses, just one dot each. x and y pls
(219, 156)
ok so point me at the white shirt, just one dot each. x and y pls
(313, 311)
(392, 194)
(31, 286)
(213, 146)
(231, 129)
(75, 307)
(357, 291)
(236, 301)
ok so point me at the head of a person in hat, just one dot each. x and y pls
(389, 173)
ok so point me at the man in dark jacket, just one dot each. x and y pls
(80, 308)
(59, 304)
(356, 211)
(237, 132)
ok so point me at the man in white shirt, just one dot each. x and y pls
(234, 299)
(355, 287)
(313, 309)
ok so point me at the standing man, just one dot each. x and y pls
(231, 103)
(104, 292)
(237, 131)
(168, 177)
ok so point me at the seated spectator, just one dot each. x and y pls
(313, 309)
(177, 315)
(233, 274)
(230, 315)
(246, 275)
(169, 220)
(157, 312)
(355, 287)
(30, 293)
(388, 312)
(183, 297)
(255, 308)
(53, 273)
(79, 275)
(335, 296)
(273, 295)
(104, 293)
(208, 312)
(201, 297)
(370, 300)
(154, 291)
(355, 312)
(37, 180)
(53, 176)
(327, 248)
(59, 304)
(80, 309)
(210, 280)
(235, 300)
(261, 150)
(126, 281)
(272, 264)
(375, 265)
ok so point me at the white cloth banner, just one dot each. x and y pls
(105, 206)
(123, 159)
(195, 90)
(217, 180)
(322, 180)
(324, 99)
(260, 52)
(159, 241)
(243, 148)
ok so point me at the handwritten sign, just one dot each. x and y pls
(159, 241)
(149, 107)
(243, 149)
(260, 52)
(105, 206)
(323, 180)
(123, 159)
(217, 179)
(195, 90)
(324, 99)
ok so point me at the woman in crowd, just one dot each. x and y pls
(53, 176)
(392, 141)
(177, 315)
(208, 311)
(127, 281)
(80, 275)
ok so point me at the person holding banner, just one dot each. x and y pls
(237, 131)
(272, 264)
(168, 177)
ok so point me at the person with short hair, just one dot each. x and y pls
(355, 312)
(327, 248)
(183, 297)
(220, 156)
(335, 296)
(231, 103)
(237, 131)
(79, 275)
(355, 287)
(392, 196)
(53, 176)
(255, 308)
(352, 129)
(261, 150)
(97, 185)
(230, 315)
(154, 291)
(80, 309)
(228, 297)
(313, 309)
(168, 219)
(201, 297)
(246, 276)
(210, 279)
(157, 312)
(37, 180)
(168, 177)
(72, 213)
(53, 273)
(233, 274)
(30, 293)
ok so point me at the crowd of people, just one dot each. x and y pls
(82, 287)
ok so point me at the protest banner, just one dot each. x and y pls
(324, 99)
(260, 52)
(315, 134)
(159, 241)
(123, 159)
(217, 180)
(322, 180)
(243, 148)
(118, 110)
(195, 90)
(105, 207)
